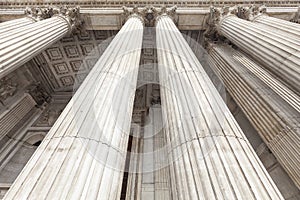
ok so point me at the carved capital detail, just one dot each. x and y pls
(71, 15)
(296, 16)
(134, 12)
(252, 12)
(216, 16)
(149, 14)
(37, 13)
(170, 12)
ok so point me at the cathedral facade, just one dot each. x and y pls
(149, 100)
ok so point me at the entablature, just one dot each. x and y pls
(112, 18)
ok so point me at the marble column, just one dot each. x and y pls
(32, 15)
(83, 155)
(11, 25)
(279, 26)
(209, 156)
(272, 108)
(278, 53)
(20, 45)
(283, 27)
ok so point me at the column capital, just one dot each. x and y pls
(252, 12)
(170, 12)
(71, 15)
(296, 16)
(149, 14)
(216, 17)
(134, 12)
(37, 13)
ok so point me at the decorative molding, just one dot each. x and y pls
(171, 12)
(252, 12)
(50, 114)
(38, 93)
(296, 16)
(11, 117)
(37, 13)
(71, 15)
(216, 16)
(149, 14)
(70, 60)
(128, 3)
(134, 12)
(7, 88)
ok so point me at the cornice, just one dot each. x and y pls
(142, 3)
(119, 10)
(112, 18)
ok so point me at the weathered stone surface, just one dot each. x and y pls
(272, 108)
(276, 52)
(208, 153)
(23, 43)
(84, 153)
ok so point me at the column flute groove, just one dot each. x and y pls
(279, 54)
(20, 45)
(83, 155)
(259, 16)
(208, 152)
(270, 106)
(32, 15)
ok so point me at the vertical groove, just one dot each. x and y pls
(214, 153)
(270, 106)
(278, 53)
(22, 44)
(94, 125)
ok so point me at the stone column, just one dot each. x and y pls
(11, 25)
(210, 157)
(278, 53)
(32, 15)
(22, 44)
(283, 27)
(271, 107)
(83, 155)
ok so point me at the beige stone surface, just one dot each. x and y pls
(208, 152)
(84, 153)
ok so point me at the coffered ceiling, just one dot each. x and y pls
(66, 63)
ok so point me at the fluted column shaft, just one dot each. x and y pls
(278, 53)
(83, 155)
(210, 157)
(280, 26)
(22, 44)
(271, 107)
(11, 25)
